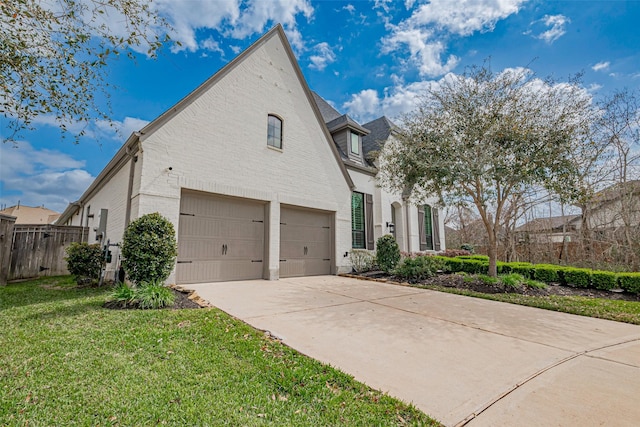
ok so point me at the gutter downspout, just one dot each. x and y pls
(133, 158)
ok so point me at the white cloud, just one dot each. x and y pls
(395, 101)
(349, 8)
(557, 30)
(324, 56)
(260, 14)
(211, 45)
(40, 177)
(425, 33)
(235, 18)
(601, 66)
(101, 129)
(363, 104)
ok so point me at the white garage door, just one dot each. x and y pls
(219, 238)
(305, 242)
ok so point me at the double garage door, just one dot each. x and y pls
(223, 238)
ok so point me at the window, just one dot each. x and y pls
(355, 143)
(357, 221)
(362, 221)
(274, 131)
(425, 222)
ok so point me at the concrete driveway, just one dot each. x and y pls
(464, 361)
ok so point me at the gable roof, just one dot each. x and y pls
(326, 110)
(616, 191)
(31, 215)
(130, 147)
(548, 224)
(381, 128)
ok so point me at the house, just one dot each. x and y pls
(256, 179)
(31, 215)
(615, 208)
(555, 229)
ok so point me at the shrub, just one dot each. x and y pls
(418, 268)
(546, 273)
(467, 247)
(123, 294)
(630, 282)
(503, 267)
(487, 280)
(153, 295)
(84, 261)
(522, 268)
(474, 266)
(453, 265)
(513, 280)
(534, 284)
(476, 257)
(387, 253)
(580, 277)
(149, 249)
(605, 280)
(361, 260)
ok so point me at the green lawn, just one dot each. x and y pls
(65, 360)
(620, 311)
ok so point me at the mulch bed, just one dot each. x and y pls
(458, 281)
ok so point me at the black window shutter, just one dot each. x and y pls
(423, 237)
(368, 211)
(436, 229)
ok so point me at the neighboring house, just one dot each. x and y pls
(615, 208)
(31, 215)
(247, 170)
(556, 229)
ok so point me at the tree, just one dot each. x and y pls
(479, 138)
(53, 57)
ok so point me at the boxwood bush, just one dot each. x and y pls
(630, 282)
(387, 253)
(605, 280)
(580, 277)
(419, 268)
(149, 249)
(546, 273)
(522, 268)
(84, 261)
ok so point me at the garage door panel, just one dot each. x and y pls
(305, 242)
(219, 239)
(203, 271)
(210, 249)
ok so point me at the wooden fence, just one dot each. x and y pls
(39, 250)
(6, 237)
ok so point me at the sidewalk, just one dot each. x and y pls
(462, 360)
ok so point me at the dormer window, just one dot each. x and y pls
(274, 131)
(355, 143)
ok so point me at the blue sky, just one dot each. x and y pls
(368, 58)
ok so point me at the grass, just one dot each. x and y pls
(66, 360)
(620, 311)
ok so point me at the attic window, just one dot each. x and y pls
(274, 131)
(355, 143)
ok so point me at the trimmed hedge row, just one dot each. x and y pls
(548, 273)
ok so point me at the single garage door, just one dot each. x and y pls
(305, 242)
(219, 238)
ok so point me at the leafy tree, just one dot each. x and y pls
(54, 55)
(479, 138)
(149, 249)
